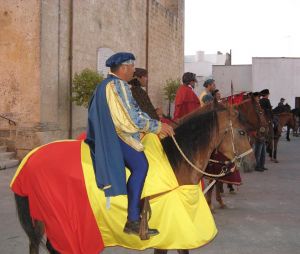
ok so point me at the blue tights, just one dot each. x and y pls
(137, 163)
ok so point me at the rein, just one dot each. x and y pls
(223, 172)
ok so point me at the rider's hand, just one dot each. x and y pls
(166, 130)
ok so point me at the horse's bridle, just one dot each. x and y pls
(225, 170)
(259, 114)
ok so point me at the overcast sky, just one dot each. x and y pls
(261, 28)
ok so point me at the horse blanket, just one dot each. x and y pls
(59, 181)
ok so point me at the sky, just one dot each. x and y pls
(250, 28)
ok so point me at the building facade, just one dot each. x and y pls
(43, 43)
(281, 75)
(202, 65)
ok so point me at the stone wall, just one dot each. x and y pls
(19, 69)
(166, 53)
(39, 56)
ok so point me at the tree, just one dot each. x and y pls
(170, 90)
(83, 86)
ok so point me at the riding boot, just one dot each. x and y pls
(133, 227)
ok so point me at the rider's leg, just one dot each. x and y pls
(137, 163)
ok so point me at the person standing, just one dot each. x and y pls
(186, 101)
(262, 138)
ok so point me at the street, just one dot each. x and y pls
(262, 217)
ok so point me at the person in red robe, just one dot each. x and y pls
(186, 101)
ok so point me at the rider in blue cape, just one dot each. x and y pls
(115, 123)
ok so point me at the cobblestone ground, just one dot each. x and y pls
(263, 217)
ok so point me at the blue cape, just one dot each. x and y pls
(104, 144)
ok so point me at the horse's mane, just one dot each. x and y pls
(193, 133)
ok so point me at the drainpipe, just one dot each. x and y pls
(70, 132)
(147, 40)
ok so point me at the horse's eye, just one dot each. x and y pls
(242, 132)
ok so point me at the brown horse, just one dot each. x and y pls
(284, 119)
(251, 115)
(254, 117)
(196, 137)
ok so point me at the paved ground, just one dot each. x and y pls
(263, 217)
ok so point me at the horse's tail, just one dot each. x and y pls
(33, 228)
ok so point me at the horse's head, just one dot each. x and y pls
(251, 115)
(198, 135)
(232, 140)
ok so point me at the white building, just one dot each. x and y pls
(202, 64)
(278, 74)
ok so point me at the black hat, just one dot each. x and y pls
(282, 99)
(208, 82)
(264, 92)
(188, 77)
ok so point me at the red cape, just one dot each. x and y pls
(186, 101)
(58, 197)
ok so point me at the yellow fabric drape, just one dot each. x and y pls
(181, 215)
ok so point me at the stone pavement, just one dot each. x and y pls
(262, 218)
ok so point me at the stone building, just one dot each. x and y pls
(44, 42)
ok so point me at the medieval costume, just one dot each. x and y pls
(186, 101)
(142, 98)
(115, 122)
(206, 96)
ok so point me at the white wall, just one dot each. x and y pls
(202, 63)
(240, 75)
(280, 75)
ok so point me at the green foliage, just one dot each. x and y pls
(83, 86)
(170, 90)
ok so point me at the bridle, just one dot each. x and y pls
(225, 170)
(259, 114)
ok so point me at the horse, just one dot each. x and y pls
(296, 113)
(188, 153)
(252, 115)
(284, 118)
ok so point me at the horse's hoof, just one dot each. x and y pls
(276, 161)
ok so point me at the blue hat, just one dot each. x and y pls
(208, 82)
(120, 58)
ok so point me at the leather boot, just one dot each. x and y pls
(133, 227)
